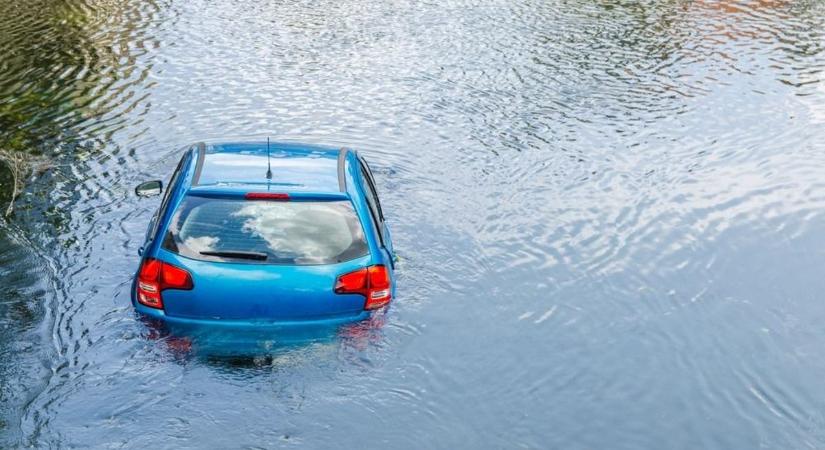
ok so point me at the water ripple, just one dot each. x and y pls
(607, 215)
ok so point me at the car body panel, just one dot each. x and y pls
(249, 291)
(293, 168)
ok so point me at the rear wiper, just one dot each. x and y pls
(237, 254)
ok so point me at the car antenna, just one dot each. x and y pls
(268, 165)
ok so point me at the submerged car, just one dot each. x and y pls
(251, 233)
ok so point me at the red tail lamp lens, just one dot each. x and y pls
(174, 278)
(372, 282)
(155, 276)
(380, 291)
(352, 283)
(148, 285)
(266, 196)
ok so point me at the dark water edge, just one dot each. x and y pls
(20, 316)
(609, 216)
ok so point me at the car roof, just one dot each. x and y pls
(244, 165)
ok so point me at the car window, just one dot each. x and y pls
(372, 201)
(371, 180)
(169, 189)
(266, 232)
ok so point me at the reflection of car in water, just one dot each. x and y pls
(263, 344)
(247, 235)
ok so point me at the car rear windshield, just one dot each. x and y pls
(266, 232)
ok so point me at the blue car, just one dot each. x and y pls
(260, 233)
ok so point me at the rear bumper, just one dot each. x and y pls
(250, 324)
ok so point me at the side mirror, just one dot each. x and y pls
(149, 188)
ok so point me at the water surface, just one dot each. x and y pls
(609, 216)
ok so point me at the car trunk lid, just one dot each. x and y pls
(269, 292)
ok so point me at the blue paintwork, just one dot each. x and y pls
(255, 295)
(294, 168)
(239, 190)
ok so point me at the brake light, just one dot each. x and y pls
(155, 276)
(266, 196)
(372, 282)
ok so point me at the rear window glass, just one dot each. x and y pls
(266, 232)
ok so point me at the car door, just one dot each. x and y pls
(375, 207)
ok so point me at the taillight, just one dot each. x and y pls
(155, 276)
(372, 282)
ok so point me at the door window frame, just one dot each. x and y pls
(374, 204)
(172, 186)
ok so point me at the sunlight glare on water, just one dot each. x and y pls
(609, 218)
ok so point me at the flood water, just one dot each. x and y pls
(609, 216)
